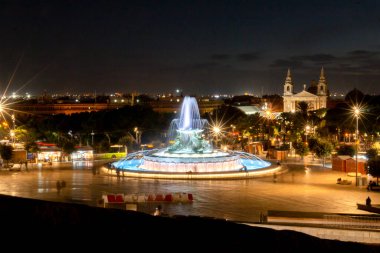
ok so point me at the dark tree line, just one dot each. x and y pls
(98, 128)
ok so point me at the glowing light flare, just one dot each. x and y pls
(216, 129)
(357, 111)
(5, 99)
(7, 113)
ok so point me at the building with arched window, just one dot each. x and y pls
(315, 96)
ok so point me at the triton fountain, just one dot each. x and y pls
(191, 155)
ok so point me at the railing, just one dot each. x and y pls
(352, 221)
(331, 220)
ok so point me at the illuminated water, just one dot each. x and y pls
(191, 151)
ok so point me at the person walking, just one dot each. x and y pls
(369, 186)
(59, 187)
(274, 177)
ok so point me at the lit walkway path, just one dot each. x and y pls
(304, 188)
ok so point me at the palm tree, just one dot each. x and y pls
(6, 153)
(68, 147)
(303, 108)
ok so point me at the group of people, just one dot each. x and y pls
(370, 185)
(60, 184)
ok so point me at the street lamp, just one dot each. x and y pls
(268, 114)
(216, 131)
(357, 115)
(92, 138)
(307, 129)
(138, 135)
(12, 133)
(14, 121)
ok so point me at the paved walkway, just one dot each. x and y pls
(306, 187)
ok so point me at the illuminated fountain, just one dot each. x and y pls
(190, 154)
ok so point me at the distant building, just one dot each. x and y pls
(251, 109)
(68, 107)
(83, 153)
(172, 104)
(48, 152)
(315, 96)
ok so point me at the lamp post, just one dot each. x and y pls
(14, 121)
(13, 133)
(307, 129)
(216, 131)
(92, 138)
(357, 114)
(138, 135)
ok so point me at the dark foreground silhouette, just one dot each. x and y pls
(69, 226)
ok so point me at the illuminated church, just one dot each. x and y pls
(316, 95)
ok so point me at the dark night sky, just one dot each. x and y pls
(201, 47)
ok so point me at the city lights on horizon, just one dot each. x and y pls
(162, 95)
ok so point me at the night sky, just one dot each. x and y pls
(200, 47)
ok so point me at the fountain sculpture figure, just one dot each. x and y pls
(191, 152)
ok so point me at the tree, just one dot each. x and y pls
(323, 150)
(318, 120)
(301, 149)
(347, 150)
(127, 141)
(104, 146)
(31, 147)
(227, 114)
(373, 168)
(24, 134)
(303, 108)
(371, 153)
(6, 153)
(313, 143)
(355, 97)
(68, 147)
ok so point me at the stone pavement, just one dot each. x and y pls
(307, 187)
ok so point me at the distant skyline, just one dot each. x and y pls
(199, 47)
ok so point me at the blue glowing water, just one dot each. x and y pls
(134, 160)
(191, 152)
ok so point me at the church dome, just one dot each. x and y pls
(355, 96)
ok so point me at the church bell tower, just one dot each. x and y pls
(288, 86)
(322, 84)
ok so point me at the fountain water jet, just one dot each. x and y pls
(188, 130)
(191, 152)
